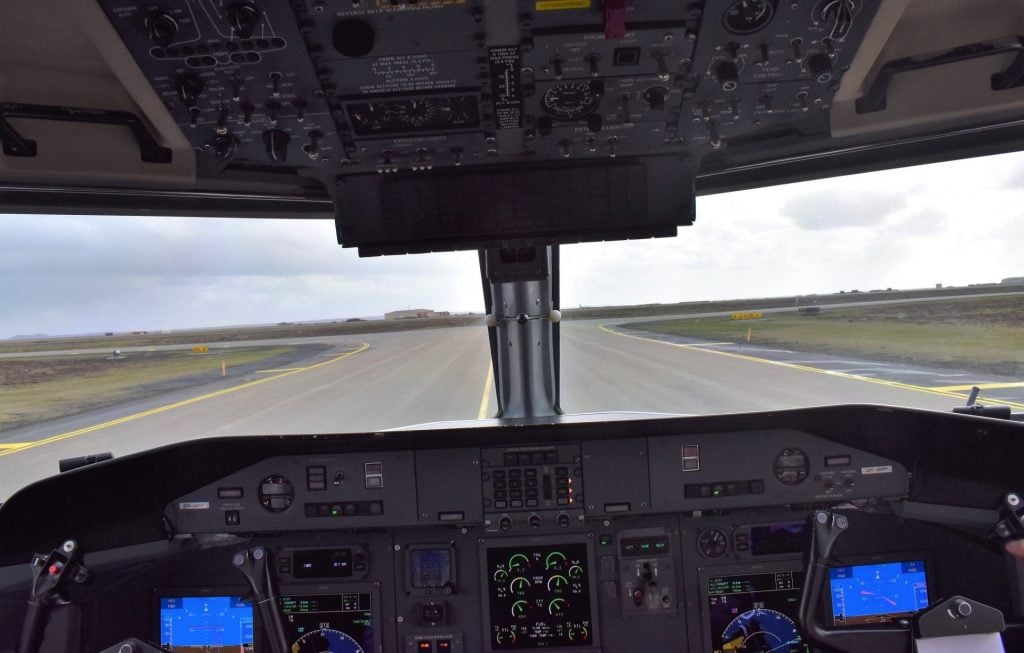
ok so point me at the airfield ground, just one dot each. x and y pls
(984, 334)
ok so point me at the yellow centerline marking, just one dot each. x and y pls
(485, 400)
(806, 368)
(12, 445)
(980, 386)
(162, 409)
(283, 369)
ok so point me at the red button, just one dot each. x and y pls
(54, 570)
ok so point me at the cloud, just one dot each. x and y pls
(927, 221)
(836, 208)
(72, 274)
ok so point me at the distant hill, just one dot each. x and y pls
(31, 337)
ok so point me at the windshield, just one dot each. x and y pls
(119, 334)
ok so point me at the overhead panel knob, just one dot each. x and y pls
(655, 98)
(161, 28)
(189, 87)
(243, 18)
(727, 75)
(820, 67)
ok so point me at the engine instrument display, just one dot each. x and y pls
(877, 593)
(755, 612)
(205, 623)
(329, 623)
(539, 597)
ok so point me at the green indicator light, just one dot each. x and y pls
(334, 513)
(646, 546)
(660, 545)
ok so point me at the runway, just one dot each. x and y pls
(389, 380)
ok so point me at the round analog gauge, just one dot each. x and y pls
(748, 16)
(326, 640)
(761, 630)
(570, 100)
(712, 543)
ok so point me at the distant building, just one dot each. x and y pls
(1012, 281)
(410, 314)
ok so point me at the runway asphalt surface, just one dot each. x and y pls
(388, 380)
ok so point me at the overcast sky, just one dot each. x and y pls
(953, 223)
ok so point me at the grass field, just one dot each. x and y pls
(36, 389)
(718, 306)
(235, 334)
(983, 333)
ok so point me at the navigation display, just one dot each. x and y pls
(339, 623)
(205, 624)
(539, 597)
(754, 613)
(877, 593)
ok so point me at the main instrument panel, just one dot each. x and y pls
(656, 536)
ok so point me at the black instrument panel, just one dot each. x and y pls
(384, 104)
(674, 545)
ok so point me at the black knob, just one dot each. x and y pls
(189, 87)
(820, 66)
(655, 98)
(161, 28)
(277, 145)
(544, 126)
(727, 75)
(594, 123)
(243, 18)
(224, 146)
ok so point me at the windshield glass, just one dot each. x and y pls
(119, 334)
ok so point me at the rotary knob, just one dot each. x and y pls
(820, 67)
(655, 98)
(727, 75)
(161, 28)
(189, 87)
(243, 18)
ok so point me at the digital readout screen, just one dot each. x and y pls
(338, 623)
(755, 613)
(877, 593)
(205, 624)
(430, 568)
(322, 563)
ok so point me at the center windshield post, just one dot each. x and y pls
(521, 296)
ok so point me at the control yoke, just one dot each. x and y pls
(51, 575)
(951, 617)
(253, 565)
